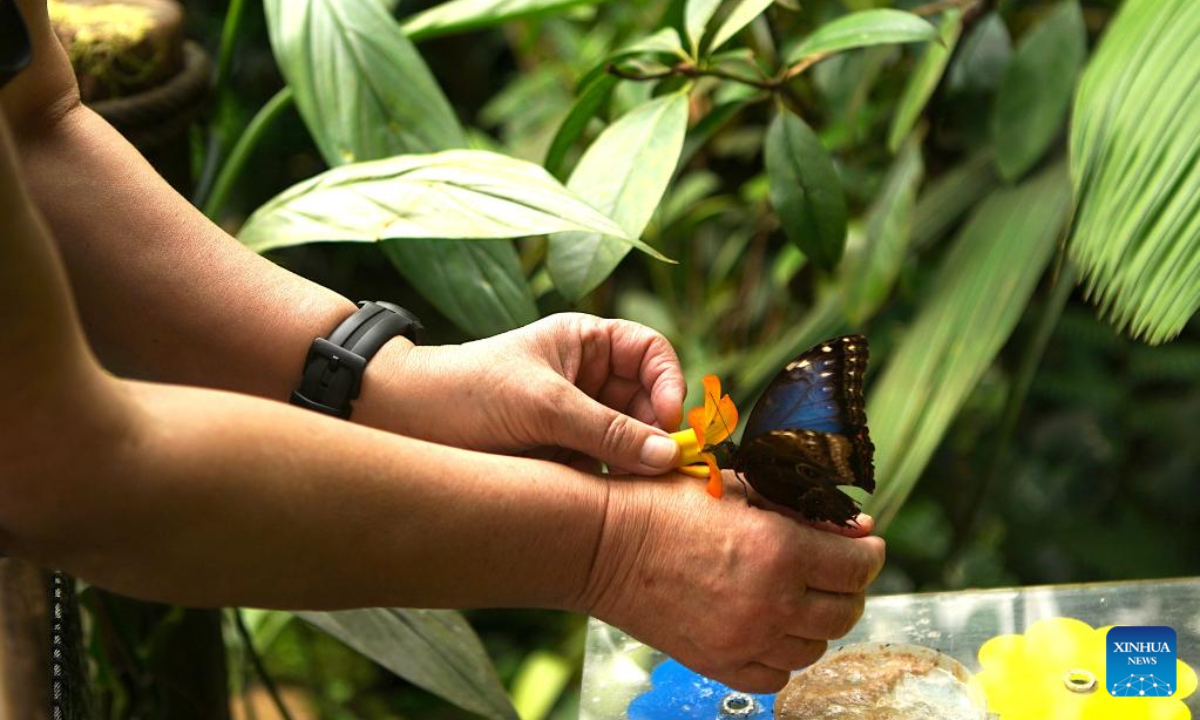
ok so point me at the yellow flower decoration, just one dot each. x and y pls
(1055, 671)
(709, 425)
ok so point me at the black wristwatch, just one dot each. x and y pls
(334, 367)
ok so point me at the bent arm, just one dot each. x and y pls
(205, 497)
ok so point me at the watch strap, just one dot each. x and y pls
(334, 367)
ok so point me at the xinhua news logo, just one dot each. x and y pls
(1141, 662)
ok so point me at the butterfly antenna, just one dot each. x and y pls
(721, 415)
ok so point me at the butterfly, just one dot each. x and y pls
(806, 436)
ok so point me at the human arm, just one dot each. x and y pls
(166, 295)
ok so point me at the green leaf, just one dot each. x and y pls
(696, 15)
(862, 29)
(978, 294)
(1035, 92)
(585, 108)
(434, 649)
(870, 278)
(624, 173)
(479, 284)
(743, 13)
(363, 90)
(459, 16)
(948, 198)
(805, 189)
(924, 79)
(1135, 163)
(981, 60)
(452, 194)
(539, 683)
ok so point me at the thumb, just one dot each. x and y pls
(618, 440)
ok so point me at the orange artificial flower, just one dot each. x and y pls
(710, 424)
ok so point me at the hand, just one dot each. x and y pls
(738, 593)
(609, 389)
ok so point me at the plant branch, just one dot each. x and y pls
(689, 69)
(938, 6)
(259, 668)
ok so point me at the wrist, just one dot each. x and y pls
(392, 386)
(616, 554)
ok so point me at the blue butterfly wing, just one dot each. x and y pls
(807, 435)
(820, 390)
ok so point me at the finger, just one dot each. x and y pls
(827, 616)
(754, 678)
(639, 353)
(581, 423)
(617, 393)
(842, 564)
(640, 408)
(860, 526)
(793, 653)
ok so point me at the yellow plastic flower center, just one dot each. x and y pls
(1080, 681)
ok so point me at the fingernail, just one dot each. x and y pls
(658, 452)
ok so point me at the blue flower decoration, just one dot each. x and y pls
(677, 693)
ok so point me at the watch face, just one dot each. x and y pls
(15, 51)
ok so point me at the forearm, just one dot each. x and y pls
(165, 294)
(216, 498)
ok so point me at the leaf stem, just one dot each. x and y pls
(689, 69)
(231, 171)
(259, 667)
(215, 146)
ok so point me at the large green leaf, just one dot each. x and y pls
(1135, 163)
(1035, 92)
(363, 90)
(452, 194)
(743, 13)
(624, 173)
(479, 284)
(924, 79)
(434, 649)
(366, 94)
(862, 29)
(978, 295)
(805, 189)
(869, 278)
(462, 15)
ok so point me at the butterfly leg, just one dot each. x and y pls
(745, 488)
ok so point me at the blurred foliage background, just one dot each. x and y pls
(1049, 445)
